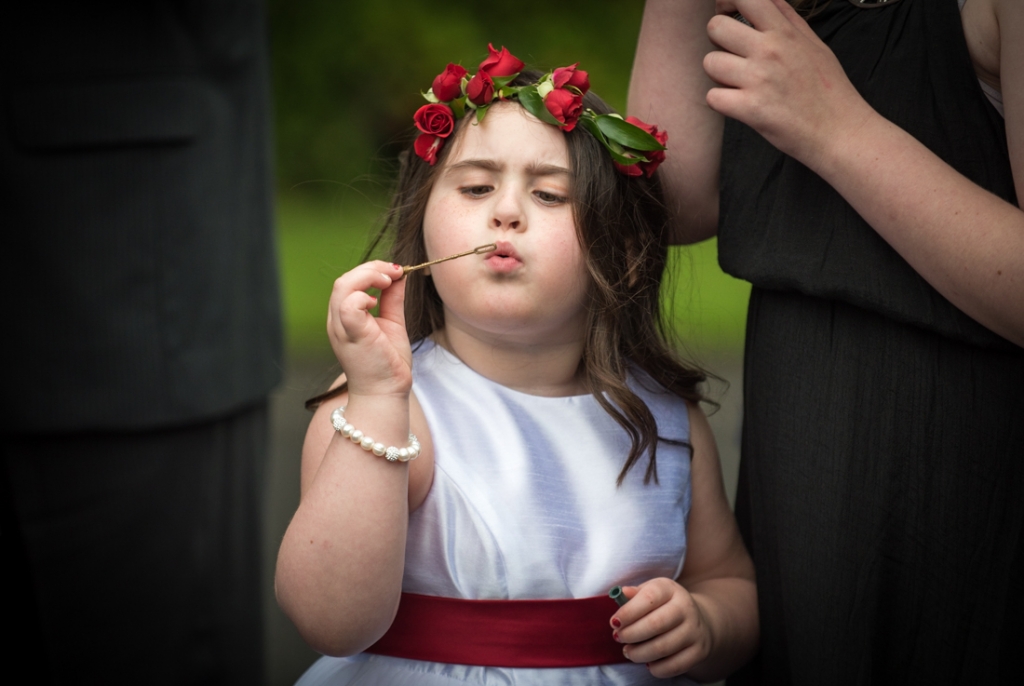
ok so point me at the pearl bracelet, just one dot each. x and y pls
(389, 453)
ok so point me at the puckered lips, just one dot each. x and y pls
(504, 258)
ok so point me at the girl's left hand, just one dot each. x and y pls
(779, 78)
(663, 627)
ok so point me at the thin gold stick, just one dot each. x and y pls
(474, 251)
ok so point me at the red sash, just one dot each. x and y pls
(503, 633)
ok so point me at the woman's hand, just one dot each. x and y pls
(779, 78)
(374, 351)
(663, 627)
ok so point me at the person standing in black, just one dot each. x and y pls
(860, 172)
(142, 338)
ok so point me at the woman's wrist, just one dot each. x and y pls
(829, 148)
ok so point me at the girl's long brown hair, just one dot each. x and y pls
(621, 225)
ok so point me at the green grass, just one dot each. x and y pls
(321, 240)
(706, 306)
(318, 241)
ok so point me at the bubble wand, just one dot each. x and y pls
(475, 251)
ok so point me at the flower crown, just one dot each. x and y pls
(636, 148)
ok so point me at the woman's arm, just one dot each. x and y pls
(340, 566)
(704, 624)
(965, 241)
(668, 88)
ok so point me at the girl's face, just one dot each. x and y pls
(506, 181)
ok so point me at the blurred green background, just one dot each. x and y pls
(347, 78)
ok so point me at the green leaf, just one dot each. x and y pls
(458, 106)
(502, 81)
(627, 134)
(534, 104)
(615, 150)
(626, 159)
(481, 112)
(591, 126)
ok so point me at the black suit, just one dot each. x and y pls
(139, 286)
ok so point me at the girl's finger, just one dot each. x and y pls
(661, 646)
(643, 600)
(392, 300)
(627, 614)
(353, 314)
(661, 620)
(677, 663)
(361, 278)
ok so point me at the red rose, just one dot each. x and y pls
(660, 136)
(448, 85)
(435, 119)
(565, 106)
(426, 146)
(480, 89)
(501, 63)
(571, 76)
(627, 169)
(654, 157)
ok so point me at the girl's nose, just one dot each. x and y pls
(511, 225)
(508, 212)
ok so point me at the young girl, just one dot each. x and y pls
(541, 442)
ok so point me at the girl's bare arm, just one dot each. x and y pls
(340, 566)
(718, 571)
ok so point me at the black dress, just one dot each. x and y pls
(882, 482)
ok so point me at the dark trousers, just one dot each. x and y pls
(135, 557)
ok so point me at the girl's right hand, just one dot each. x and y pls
(373, 351)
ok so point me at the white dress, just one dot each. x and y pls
(524, 505)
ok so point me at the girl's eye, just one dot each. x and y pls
(475, 191)
(550, 198)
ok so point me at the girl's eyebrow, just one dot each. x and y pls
(547, 170)
(532, 169)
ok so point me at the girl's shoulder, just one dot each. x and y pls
(670, 411)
